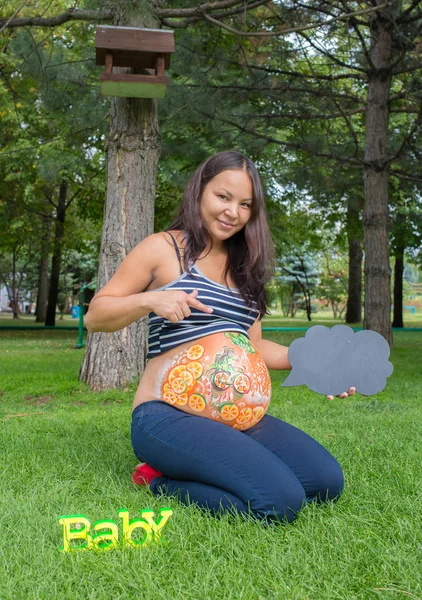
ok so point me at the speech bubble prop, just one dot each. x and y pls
(330, 361)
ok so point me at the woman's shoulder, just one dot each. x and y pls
(158, 239)
(159, 243)
(177, 234)
(174, 237)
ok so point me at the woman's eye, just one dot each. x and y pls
(221, 196)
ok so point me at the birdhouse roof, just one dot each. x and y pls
(132, 46)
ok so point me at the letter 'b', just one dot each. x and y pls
(81, 533)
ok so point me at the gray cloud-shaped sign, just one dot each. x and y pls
(330, 361)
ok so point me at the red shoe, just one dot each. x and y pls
(144, 474)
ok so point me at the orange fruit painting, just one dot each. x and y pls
(169, 395)
(181, 399)
(221, 377)
(178, 385)
(245, 415)
(187, 377)
(197, 402)
(220, 380)
(176, 372)
(228, 411)
(195, 352)
(195, 368)
(242, 383)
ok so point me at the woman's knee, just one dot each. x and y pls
(330, 483)
(280, 504)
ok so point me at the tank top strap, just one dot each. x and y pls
(176, 247)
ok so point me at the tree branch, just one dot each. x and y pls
(362, 41)
(403, 175)
(83, 186)
(349, 125)
(59, 137)
(321, 92)
(408, 69)
(352, 160)
(305, 75)
(293, 29)
(343, 114)
(174, 13)
(69, 15)
(49, 198)
(303, 117)
(412, 18)
(14, 15)
(333, 58)
(409, 9)
(190, 14)
(107, 15)
(223, 15)
(408, 137)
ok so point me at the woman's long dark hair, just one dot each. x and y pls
(250, 251)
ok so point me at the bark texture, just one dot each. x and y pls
(14, 292)
(398, 287)
(56, 260)
(376, 235)
(42, 296)
(354, 293)
(116, 359)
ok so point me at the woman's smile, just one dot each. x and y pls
(225, 225)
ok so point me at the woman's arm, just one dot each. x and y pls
(274, 355)
(119, 302)
(123, 299)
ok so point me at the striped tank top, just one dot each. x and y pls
(230, 312)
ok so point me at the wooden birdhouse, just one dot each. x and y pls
(138, 49)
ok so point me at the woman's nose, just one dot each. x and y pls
(231, 209)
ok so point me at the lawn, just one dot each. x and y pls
(66, 450)
(324, 316)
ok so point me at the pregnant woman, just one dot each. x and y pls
(199, 422)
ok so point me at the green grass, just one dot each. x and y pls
(324, 316)
(71, 453)
(7, 320)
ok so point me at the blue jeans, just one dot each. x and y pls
(271, 470)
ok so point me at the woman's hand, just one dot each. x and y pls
(351, 392)
(174, 305)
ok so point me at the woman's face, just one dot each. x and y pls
(226, 204)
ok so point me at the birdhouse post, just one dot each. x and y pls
(138, 49)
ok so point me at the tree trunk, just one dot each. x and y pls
(15, 290)
(57, 255)
(42, 295)
(398, 287)
(354, 293)
(375, 221)
(308, 305)
(116, 359)
(133, 147)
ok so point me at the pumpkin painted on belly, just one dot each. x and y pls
(221, 377)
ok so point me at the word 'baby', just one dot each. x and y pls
(105, 534)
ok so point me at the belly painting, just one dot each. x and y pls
(220, 377)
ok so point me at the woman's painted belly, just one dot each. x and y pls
(220, 377)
